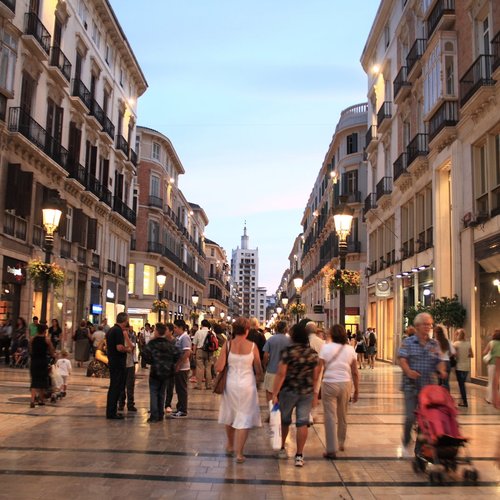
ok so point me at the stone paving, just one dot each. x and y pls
(69, 450)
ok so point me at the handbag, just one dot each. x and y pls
(487, 358)
(453, 361)
(220, 380)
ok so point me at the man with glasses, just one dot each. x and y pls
(419, 360)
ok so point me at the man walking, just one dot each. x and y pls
(272, 355)
(127, 394)
(419, 360)
(183, 344)
(118, 345)
(204, 359)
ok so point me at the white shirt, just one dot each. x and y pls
(315, 342)
(199, 337)
(340, 369)
(64, 367)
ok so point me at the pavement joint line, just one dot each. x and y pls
(260, 482)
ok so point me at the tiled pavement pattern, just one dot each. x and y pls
(68, 450)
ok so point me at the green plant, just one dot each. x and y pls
(450, 312)
(299, 309)
(159, 305)
(40, 271)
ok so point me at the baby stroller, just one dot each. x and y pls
(439, 439)
(56, 382)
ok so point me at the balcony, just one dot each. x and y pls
(417, 149)
(352, 196)
(370, 203)
(353, 247)
(94, 186)
(108, 128)
(37, 36)
(383, 116)
(106, 196)
(416, 52)
(384, 187)
(60, 66)
(400, 167)
(442, 16)
(8, 8)
(77, 172)
(478, 82)
(442, 123)
(371, 138)
(155, 247)
(401, 84)
(133, 157)
(83, 94)
(97, 112)
(122, 145)
(20, 121)
(155, 201)
(121, 208)
(495, 50)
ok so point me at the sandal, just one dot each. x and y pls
(229, 453)
(240, 460)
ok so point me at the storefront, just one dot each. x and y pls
(13, 279)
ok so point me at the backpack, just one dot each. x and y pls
(210, 344)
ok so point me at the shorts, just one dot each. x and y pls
(269, 381)
(302, 403)
(371, 350)
(64, 379)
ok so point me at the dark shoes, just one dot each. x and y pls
(115, 417)
(153, 420)
(465, 405)
(32, 405)
(132, 408)
(330, 456)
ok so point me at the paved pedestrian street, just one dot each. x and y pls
(69, 450)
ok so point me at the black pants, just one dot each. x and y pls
(461, 378)
(170, 392)
(117, 379)
(128, 390)
(181, 388)
(5, 349)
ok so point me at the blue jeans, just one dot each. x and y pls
(302, 403)
(461, 378)
(411, 402)
(157, 389)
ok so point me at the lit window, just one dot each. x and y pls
(149, 280)
(131, 278)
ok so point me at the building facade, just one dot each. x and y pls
(245, 275)
(169, 235)
(433, 149)
(69, 86)
(342, 177)
(217, 274)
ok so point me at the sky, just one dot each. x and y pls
(249, 93)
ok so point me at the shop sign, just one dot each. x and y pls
(138, 310)
(14, 271)
(96, 309)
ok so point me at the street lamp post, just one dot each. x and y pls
(342, 218)
(195, 298)
(297, 283)
(212, 309)
(284, 301)
(279, 310)
(51, 215)
(222, 314)
(161, 279)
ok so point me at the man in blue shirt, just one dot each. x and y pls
(419, 360)
(272, 355)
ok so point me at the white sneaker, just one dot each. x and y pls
(404, 451)
(282, 454)
(299, 461)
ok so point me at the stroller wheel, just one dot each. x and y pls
(53, 399)
(470, 475)
(415, 466)
(432, 477)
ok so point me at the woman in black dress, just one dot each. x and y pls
(40, 348)
(55, 333)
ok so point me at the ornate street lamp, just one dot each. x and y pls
(222, 314)
(342, 218)
(279, 310)
(161, 279)
(195, 298)
(51, 216)
(212, 309)
(298, 281)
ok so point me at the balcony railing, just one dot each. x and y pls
(106, 196)
(418, 146)
(416, 52)
(370, 202)
(384, 112)
(352, 196)
(445, 116)
(20, 121)
(78, 172)
(401, 80)
(11, 4)
(477, 76)
(133, 157)
(384, 186)
(353, 246)
(371, 134)
(495, 50)
(109, 128)
(155, 201)
(155, 247)
(82, 92)
(94, 186)
(400, 166)
(96, 260)
(34, 27)
(441, 8)
(122, 145)
(125, 211)
(96, 111)
(59, 60)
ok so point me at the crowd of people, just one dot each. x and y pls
(298, 366)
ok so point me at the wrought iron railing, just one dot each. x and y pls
(133, 157)
(441, 8)
(122, 144)
(370, 202)
(82, 92)
(418, 146)
(477, 76)
(60, 61)
(108, 127)
(96, 111)
(384, 186)
(155, 247)
(400, 166)
(416, 52)
(445, 116)
(401, 80)
(384, 112)
(495, 50)
(155, 201)
(34, 27)
(371, 134)
(125, 211)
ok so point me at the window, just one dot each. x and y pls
(131, 278)
(96, 35)
(156, 151)
(153, 231)
(485, 49)
(83, 12)
(69, 223)
(481, 179)
(155, 186)
(8, 51)
(352, 143)
(149, 280)
(109, 55)
(387, 35)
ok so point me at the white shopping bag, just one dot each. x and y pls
(275, 427)
(55, 377)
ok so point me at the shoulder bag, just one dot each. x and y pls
(220, 380)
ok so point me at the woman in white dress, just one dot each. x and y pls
(239, 409)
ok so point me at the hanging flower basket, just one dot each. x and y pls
(299, 309)
(346, 280)
(39, 271)
(159, 305)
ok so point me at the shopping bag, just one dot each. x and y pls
(55, 378)
(275, 427)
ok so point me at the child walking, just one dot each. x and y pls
(64, 366)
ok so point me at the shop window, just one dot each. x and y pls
(131, 278)
(149, 280)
